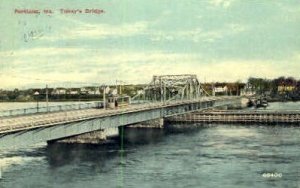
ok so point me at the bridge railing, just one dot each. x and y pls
(77, 106)
(45, 109)
(68, 114)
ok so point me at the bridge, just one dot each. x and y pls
(241, 116)
(164, 96)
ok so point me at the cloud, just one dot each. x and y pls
(290, 8)
(198, 34)
(222, 3)
(148, 29)
(132, 67)
(42, 51)
(93, 67)
(100, 31)
(105, 30)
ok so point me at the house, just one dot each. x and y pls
(89, 91)
(220, 88)
(73, 91)
(97, 91)
(285, 88)
(59, 91)
(83, 90)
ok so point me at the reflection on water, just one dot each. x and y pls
(193, 156)
(284, 106)
(235, 133)
(59, 154)
(143, 136)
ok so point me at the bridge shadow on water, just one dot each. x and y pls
(60, 154)
(114, 157)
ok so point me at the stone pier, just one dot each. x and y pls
(153, 124)
(101, 136)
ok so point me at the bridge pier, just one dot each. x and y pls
(156, 123)
(101, 136)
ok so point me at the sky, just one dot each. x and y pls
(132, 40)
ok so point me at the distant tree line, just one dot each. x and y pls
(63, 94)
(281, 88)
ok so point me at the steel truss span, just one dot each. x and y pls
(172, 87)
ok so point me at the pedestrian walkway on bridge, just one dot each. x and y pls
(30, 121)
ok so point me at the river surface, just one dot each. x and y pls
(201, 156)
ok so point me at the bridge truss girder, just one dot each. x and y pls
(172, 87)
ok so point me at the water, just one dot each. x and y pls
(203, 156)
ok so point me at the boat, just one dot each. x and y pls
(261, 103)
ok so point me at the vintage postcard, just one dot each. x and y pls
(150, 93)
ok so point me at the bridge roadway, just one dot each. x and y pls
(34, 128)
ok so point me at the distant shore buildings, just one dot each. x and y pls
(281, 88)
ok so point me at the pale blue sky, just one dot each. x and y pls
(219, 40)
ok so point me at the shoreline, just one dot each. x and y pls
(95, 99)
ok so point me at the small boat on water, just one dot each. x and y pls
(261, 103)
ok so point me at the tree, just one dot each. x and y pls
(260, 85)
(12, 95)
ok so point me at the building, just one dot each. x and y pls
(73, 91)
(220, 89)
(90, 91)
(285, 88)
(248, 90)
(59, 91)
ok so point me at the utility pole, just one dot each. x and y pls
(36, 94)
(120, 83)
(117, 86)
(165, 93)
(104, 102)
(161, 90)
(47, 98)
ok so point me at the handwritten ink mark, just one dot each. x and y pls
(32, 35)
